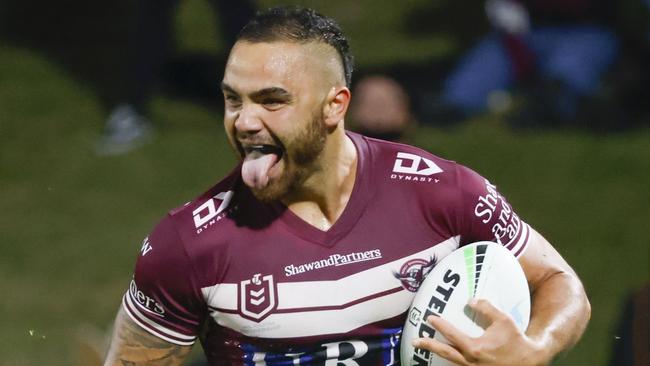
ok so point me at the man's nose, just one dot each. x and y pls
(248, 120)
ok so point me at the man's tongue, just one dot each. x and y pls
(255, 169)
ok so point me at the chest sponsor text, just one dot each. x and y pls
(333, 260)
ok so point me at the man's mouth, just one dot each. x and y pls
(258, 161)
(263, 149)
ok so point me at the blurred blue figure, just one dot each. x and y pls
(563, 48)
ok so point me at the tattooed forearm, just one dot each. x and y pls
(133, 346)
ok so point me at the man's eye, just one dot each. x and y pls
(232, 100)
(271, 101)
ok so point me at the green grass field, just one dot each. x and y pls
(72, 223)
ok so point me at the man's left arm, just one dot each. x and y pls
(560, 308)
(559, 315)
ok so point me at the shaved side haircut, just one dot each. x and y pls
(299, 25)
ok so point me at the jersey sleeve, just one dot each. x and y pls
(164, 295)
(485, 214)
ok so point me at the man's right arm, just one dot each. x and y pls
(131, 345)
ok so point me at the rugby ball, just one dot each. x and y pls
(483, 270)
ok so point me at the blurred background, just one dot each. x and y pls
(110, 115)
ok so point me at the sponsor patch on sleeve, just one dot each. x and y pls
(493, 211)
(149, 314)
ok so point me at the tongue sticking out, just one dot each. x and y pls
(255, 170)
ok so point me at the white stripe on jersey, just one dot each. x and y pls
(156, 329)
(325, 307)
(313, 323)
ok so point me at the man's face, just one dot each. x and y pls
(274, 96)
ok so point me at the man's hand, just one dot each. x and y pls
(560, 311)
(502, 343)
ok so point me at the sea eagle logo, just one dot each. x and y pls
(414, 271)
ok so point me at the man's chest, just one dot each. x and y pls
(276, 284)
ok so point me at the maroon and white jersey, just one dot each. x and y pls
(260, 286)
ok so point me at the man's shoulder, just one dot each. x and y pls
(192, 235)
(402, 162)
(226, 184)
(210, 206)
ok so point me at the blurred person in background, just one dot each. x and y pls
(558, 51)
(555, 53)
(151, 48)
(381, 108)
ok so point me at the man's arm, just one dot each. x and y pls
(559, 315)
(131, 345)
(560, 308)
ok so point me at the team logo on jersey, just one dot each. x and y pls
(413, 164)
(257, 297)
(415, 168)
(413, 272)
(208, 213)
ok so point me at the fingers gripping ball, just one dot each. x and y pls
(482, 270)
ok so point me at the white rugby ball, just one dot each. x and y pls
(482, 270)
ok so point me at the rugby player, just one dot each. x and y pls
(309, 251)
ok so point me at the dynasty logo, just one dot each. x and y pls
(414, 168)
(208, 213)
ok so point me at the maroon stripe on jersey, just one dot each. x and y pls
(512, 243)
(524, 245)
(343, 306)
(322, 308)
(524, 228)
(226, 311)
(142, 322)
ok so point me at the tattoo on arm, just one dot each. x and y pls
(133, 346)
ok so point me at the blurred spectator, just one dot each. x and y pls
(554, 53)
(151, 50)
(558, 50)
(381, 108)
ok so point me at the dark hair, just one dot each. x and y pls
(302, 25)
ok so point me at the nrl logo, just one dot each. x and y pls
(257, 297)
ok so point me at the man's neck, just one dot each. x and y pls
(323, 196)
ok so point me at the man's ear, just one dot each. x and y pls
(337, 102)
